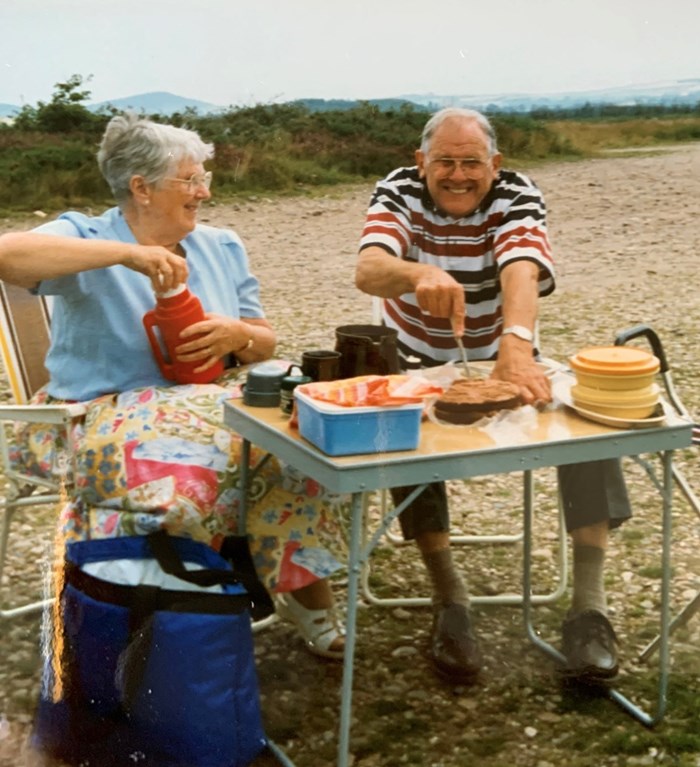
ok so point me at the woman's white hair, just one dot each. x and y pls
(451, 113)
(135, 146)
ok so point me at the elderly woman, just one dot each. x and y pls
(152, 454)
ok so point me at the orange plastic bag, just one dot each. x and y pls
(373, 390)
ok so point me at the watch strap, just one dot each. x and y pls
(520, 331)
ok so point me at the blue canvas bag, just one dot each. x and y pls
(152, 658)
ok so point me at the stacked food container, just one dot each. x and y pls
(615, 381)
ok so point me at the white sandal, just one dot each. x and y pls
(318, 628)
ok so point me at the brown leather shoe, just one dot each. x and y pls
(589, 644)
(454, 648)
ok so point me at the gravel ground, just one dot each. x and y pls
(626, 239)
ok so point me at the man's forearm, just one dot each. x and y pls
(381, 274)
(519, 283)
(515, 362)
(437, 293)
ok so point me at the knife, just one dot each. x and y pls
(464, 356)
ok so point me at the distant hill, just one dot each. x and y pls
(158, 102)
(6, 110)
(326, 105)
(665, 93)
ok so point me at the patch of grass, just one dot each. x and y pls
(486, 745)
(598, 135)
(388, 706)
(631, 742)
(652, 572)
(398, 733)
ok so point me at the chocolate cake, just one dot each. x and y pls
(466, 401)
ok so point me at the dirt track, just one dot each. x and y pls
(626, 239)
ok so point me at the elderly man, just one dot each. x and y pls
(457, 247)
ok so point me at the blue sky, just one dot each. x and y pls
(256, 51)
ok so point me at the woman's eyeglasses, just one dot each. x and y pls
(194, 181)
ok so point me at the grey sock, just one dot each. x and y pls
(589, 588)
(448, 586)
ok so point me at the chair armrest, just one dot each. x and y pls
(43, 413)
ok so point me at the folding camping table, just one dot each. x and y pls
(444, 453)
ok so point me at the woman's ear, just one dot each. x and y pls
(140, 190)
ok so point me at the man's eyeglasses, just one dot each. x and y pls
(194, 181)
(470, 166)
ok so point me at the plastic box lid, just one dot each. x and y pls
(338, 430)
(614, 360)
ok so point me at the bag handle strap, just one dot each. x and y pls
(163, 549)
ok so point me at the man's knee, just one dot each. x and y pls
(426, 513)
(593, 493)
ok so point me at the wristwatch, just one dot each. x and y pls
(520, 331)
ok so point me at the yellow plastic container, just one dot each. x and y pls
(631, 404)
(646, 396)
(614, 368)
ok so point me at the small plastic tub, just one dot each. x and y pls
(615, 368)
(341, 430)
(634, 404)
(649, 395)
(623, 412)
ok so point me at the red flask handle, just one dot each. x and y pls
(166, 368)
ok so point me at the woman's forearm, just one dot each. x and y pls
(260, 344)
(27, 258)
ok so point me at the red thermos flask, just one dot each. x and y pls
(176, 310)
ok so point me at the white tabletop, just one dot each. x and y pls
(558, 436)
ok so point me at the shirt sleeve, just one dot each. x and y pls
(247, 284)
(388, 223)
(61, 227)
(522, 235)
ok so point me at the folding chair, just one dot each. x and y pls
(456, 538)
(639, 331)
(24, 340)
(25, 324)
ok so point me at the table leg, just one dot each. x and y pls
(527, 601)
(354, 570)
(680, 620)
(662, 687)
(694, 605)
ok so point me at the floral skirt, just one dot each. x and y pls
(161, 457)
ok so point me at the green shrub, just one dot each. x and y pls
(48, 156)
(52, 173)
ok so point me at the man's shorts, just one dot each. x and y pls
(591, 492)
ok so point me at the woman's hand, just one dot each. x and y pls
(218, 335)
(164, 268)
(27, 258)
